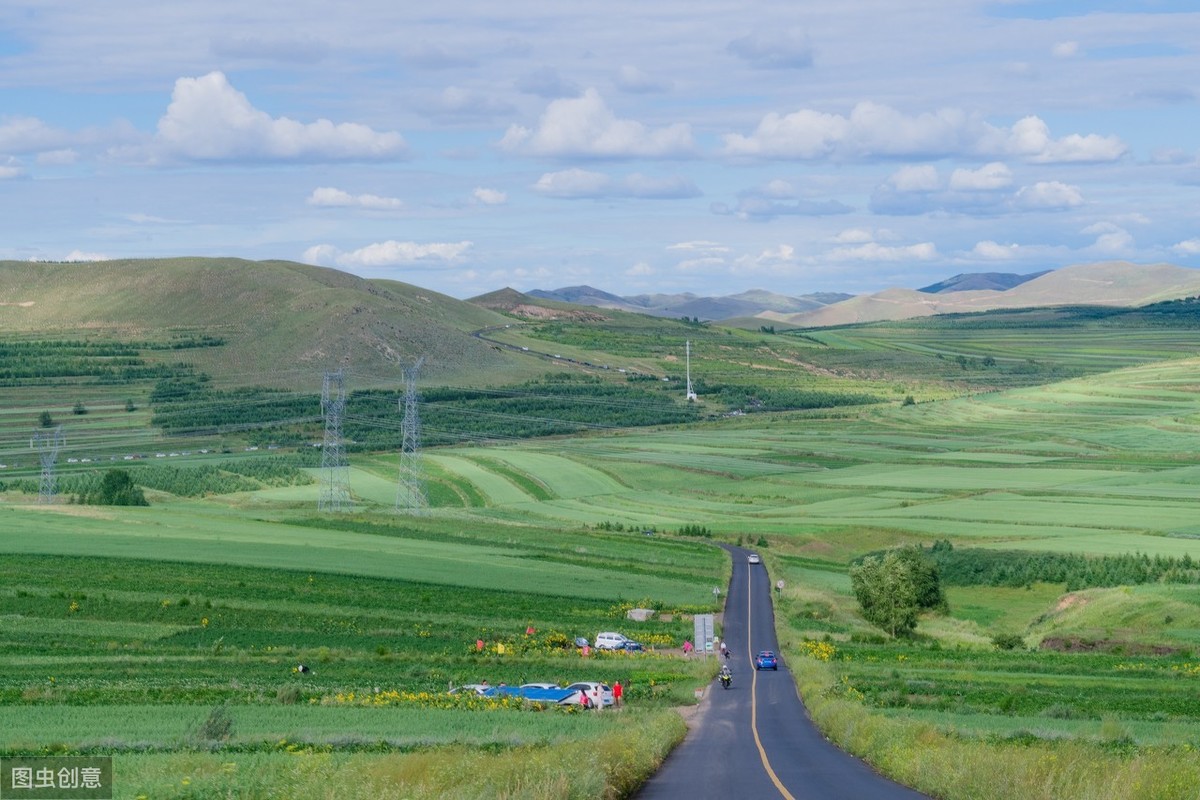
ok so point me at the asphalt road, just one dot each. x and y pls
(755, 739)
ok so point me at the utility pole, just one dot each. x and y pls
(47, 444)
(410, 488)
(335, 487)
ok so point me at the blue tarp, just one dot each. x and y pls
(535, 695)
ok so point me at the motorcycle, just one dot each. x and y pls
(726, 679)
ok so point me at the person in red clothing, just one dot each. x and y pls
(617, 692)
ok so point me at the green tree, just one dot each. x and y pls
(129, 406)
(116, 489)
(45, 420)
(926, 579)
(79, 408)
(886, 589)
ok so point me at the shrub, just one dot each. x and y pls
(1008, 641)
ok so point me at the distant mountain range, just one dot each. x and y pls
(746, 304)
(1113, 283)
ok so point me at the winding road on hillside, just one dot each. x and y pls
(756, 739)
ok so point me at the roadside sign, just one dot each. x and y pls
(703, 634)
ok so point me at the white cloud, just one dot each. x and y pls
(57, 158)
(578, 183)
(489, 197)
(1188, 247)
(987, 178)
(774, 50)
(27, 135)
(11, 168)
(585, 126)
(992, 251)
(1065, 49)
(854, 236)
(546, 82)
(699, 246)
(210, 120)
(1111, 240)
(916, 178)
(1049, 195)
(639, 270)
(81, 255)
(873, 251)
(873, 129)
(1030, 138)
(329, 197)
(388, 254)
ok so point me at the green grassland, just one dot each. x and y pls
(1056, 431)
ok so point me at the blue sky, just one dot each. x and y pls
(707, 147)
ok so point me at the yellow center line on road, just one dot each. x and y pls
(762, 753)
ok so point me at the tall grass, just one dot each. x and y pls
(949, 766)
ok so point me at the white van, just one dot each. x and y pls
(608, 640)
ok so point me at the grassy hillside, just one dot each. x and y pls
(282, 323)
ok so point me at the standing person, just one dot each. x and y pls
(598, 698)
(617, 692)
(584, 700)
(687, 647)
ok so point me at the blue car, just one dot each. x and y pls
(766, 660)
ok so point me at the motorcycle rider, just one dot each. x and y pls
(725, 675)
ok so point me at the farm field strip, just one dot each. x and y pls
(173, 725)
(150, 535)
(498, 489)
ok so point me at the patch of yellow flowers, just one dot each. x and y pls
(821, 651)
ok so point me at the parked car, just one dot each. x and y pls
(606, 693)
(766, 660)
(477, 688)
(581, 641)
(633, 647)
(609, 640)
(540, 686)
(753, 559)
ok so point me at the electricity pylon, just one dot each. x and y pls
(335, 487)
(47, 444)
(410, 488)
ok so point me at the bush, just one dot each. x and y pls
(1008, 641)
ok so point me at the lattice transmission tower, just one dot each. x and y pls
(47, 444)
(410, 489)
(335, 485)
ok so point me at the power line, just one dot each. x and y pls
(47, 444)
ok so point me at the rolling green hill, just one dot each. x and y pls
(282, 323)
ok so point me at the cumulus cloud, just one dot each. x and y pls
(873, 129)
(1048, 196)
(874, 251)
(915, 178)
(489, 197)
(578, 183)
(987, 178)
(586, 126)
(1188, 247)
(992, 251)
(329, 197)
(854, 236)
(388, 254)
(209, 120)
(1065, 49)
(773, 50)
(83, 255)
(1111, 239)
(28, 135)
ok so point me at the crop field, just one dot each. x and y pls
(171, 634)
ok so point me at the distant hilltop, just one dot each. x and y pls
(1111, 283)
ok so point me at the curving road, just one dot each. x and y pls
(755, 739)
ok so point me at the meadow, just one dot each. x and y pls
(171, 635)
